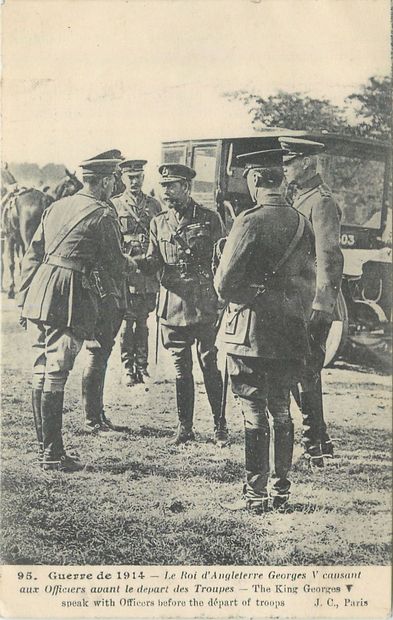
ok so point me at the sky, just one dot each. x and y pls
(82, 76)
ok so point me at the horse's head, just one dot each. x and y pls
(67, 186)
(7, 178)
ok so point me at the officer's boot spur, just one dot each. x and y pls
(326, 444)
(182, 435)
(254, 506)
(143, 375)
(280, 502)
(221, 437)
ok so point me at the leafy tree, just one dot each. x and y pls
(292, 111)
(373, 105)
(369, 110)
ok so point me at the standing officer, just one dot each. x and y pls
(267, 277)
(181, 246)
(73, 264)
(314, 200)
(135, 211)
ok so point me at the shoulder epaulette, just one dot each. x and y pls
(325, 191)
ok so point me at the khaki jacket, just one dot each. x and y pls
(135, 217)
(269, 322)
(187, 295)
(315, 201)
(65, 295)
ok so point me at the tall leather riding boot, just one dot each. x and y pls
(313, 423)
(36, 396)
(256, 443)
(213, 385)
(282, 452)
(92, 399)
(185, 410)
(127, 345)
(52, 417)
(326, 442)
(91, 395)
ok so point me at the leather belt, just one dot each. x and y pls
(67, 263)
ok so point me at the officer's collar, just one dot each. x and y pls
(84, 192)
(270, 198)
(184, 215)
(310, 183)
(134, 199)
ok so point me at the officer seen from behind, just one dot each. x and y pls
(267, 277)
(181, 247)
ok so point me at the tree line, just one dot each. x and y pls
(366, 113)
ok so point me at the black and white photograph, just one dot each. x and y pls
(196, 303)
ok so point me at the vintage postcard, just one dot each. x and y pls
(196, 301)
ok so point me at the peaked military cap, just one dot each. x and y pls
(102, 164)
(133, 166)
(299, 147)
(268, 158)
(175, 172)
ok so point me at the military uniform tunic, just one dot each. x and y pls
(182, 250)
(315, 201)
(271, 324)
(266, 334)
(187, 295)
(59, 295)
(135, 214)
(57, 289)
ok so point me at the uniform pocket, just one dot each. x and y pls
(237, 325)
(168, 249)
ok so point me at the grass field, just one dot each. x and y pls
(142, 502)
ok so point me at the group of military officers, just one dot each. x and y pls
(97, 261)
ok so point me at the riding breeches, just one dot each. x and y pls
(54, 353)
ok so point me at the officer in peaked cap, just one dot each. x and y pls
(175, 172)
(72, 289)
(299, 147)
(315, 201)
(181, 244)
(135, 210)
(267, 277)
(103, 165)
(133, 167)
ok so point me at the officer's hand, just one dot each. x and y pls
(217, 253)
(22, 322)
(132, 265)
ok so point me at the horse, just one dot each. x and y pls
(68, 186)
(8, 185)
(22, 210)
